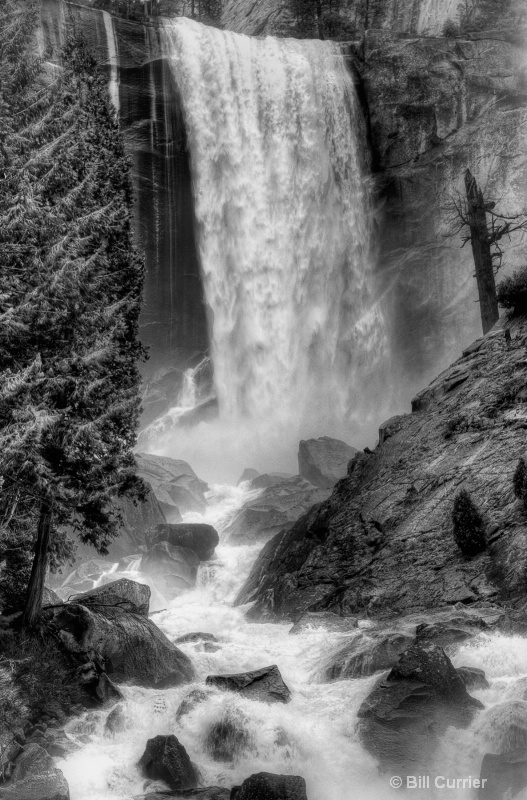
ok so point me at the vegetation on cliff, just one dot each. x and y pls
(71, 288)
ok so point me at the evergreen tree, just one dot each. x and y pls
(519, 481)
(469, 527)
(71, 287)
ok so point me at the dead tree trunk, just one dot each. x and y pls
(482, 252)
(35, 589)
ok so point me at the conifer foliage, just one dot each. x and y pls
(469, 526)
(70, 293)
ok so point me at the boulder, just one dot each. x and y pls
(266, 786)
(106, 691)
(129, 595)
(167, 760)
(35, 777)
(175, 484)
(247, 475)
(115, 721)
(264, 684)
(228, 738)
(502, 776)
(324, 461)
(282, 501)
(202, 539)
(137, 519)
(473, 678)
(326, 620)
(365, 654)
(196, 636)
(403, 718)
(190, 702)
(132, 647)
(173, 568)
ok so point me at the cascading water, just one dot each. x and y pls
(285, 228)
(315, 735)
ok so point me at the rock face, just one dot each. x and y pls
(266, 786)
(129, 595)
(203, 539)
(324, 461)
(35, 777)
(385, 535)
(137, 521)
(167, 760)
(282, 501)
(403, 718)
(175, 484)
(263, 684)
(132, 647)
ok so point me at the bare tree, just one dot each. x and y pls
(481, 225)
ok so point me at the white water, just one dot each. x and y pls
(314, 735)
(285, 237)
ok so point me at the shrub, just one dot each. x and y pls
(469, 527)
(512, 293)
(451, 29)
(519, 481)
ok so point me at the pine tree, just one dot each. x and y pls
(469, 526)
(71, 288)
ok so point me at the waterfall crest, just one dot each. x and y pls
(285, 225)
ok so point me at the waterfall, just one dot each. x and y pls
(285, 226)
(111, 43)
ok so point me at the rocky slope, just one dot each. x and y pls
(383, 542)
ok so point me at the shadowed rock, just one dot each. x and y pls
(203, 539)
(228, 738)
(266, 786)
(167, 760)
(473, 678)
(35, 777)
(366, 654)
(174, 569)
(263, 684)
(403, 718)
(115, 721)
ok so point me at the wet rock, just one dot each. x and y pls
(266, 786)
(137, 519)
(132, 647)
(264, 684)
(106, 691)
(402, 719)
(195, 637)
(502, 776)
(115, 721)
(190, 702)
(324, 461)
(173, 568)
(129, 595)
(281, 503)
(473, 678)
(174, 482)
(167, 760)
(366, 654)
(324, 619)
(35, 777)
(228, 738)
(202, 539)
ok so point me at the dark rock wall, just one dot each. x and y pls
(173, 322)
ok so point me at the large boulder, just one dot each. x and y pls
(324, 461)
(262, 684)
(227, 738)
(166, 759)
(175, 484)
(137, 519)
(131, 646)
(35, 777)
(267, 786)
(173, 568)
(129, 595)
(403, 718)
(282, 501)
(203, 539)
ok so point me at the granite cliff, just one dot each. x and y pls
(383, 542)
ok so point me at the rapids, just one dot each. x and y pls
(313, 736)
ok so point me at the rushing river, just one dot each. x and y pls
(313, 736)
